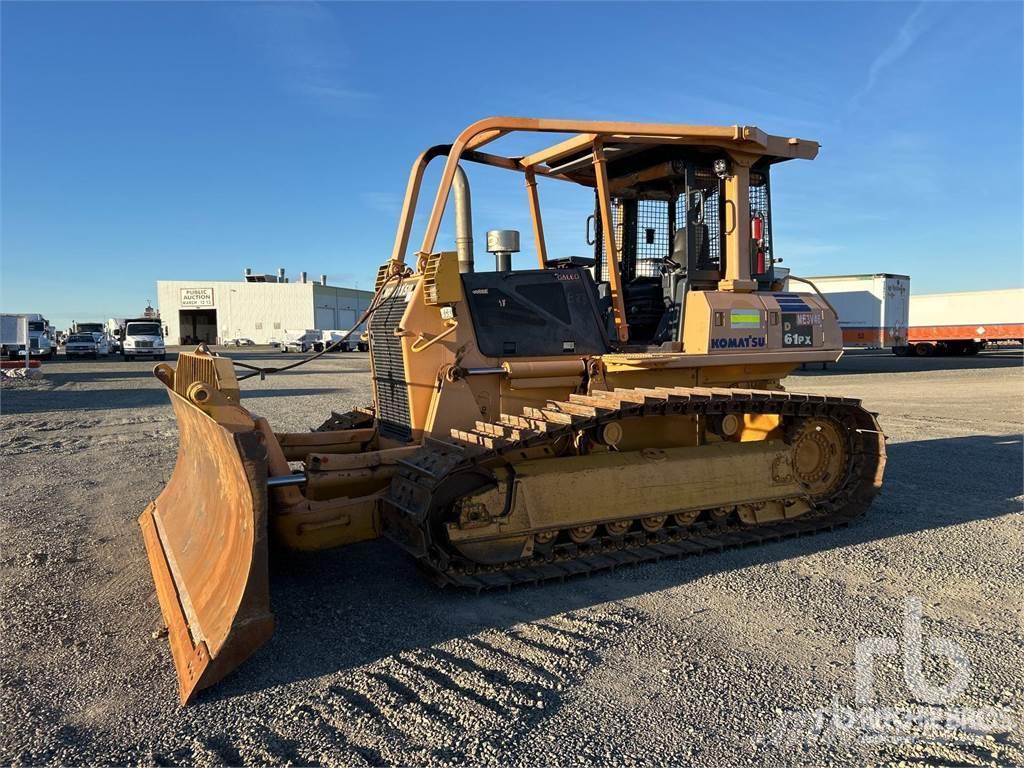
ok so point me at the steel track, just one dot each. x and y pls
(421, 494)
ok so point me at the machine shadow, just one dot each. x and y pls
(57, 400)
(326, 605)
(69, 375)
(882, 361)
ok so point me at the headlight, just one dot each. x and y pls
(158, 343)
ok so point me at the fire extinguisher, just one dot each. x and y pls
(757, 238)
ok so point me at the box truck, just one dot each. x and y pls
(873, 309)
(41, 339)
(964, 322)
(13, 334)
(143, 336)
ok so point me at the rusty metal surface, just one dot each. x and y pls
(206, 538)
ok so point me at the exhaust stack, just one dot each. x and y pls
(463, 220)
(323, 279)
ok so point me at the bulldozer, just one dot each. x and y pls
(538, 423)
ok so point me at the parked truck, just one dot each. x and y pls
(873, 309)
(104, 342)
(81, 345)
(41, 338)
(963, 323)
(77, 327)
(303, 340)
(353, 340)
(143, 336)
(13, 334)
(115, 330)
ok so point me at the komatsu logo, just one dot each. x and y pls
(743, 342)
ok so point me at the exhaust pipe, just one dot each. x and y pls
(463, 220)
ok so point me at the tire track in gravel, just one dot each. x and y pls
(260, 746)
(453, 701)
(75, 436)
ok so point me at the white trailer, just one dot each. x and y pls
(40, 341)
(873, 309)
(963, 322)
(13, 334)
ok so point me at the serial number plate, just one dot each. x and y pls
(797, 329)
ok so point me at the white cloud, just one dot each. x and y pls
(906, 36)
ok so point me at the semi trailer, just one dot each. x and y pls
(963, 322)
(873, 309)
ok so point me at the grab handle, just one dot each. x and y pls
(419, 346)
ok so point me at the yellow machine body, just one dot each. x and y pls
(535, 423)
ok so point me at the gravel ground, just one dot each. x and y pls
(719, 660)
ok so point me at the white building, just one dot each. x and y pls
(259, 307)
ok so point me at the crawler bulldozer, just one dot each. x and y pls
(532, 424)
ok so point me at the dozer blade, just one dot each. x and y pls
(206, 538)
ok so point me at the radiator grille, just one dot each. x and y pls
(390, 389)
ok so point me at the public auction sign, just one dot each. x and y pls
(197, 297)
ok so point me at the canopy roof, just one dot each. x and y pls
(572, 158)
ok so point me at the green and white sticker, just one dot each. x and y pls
(745, 318)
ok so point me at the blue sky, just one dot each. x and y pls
(146, 141)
